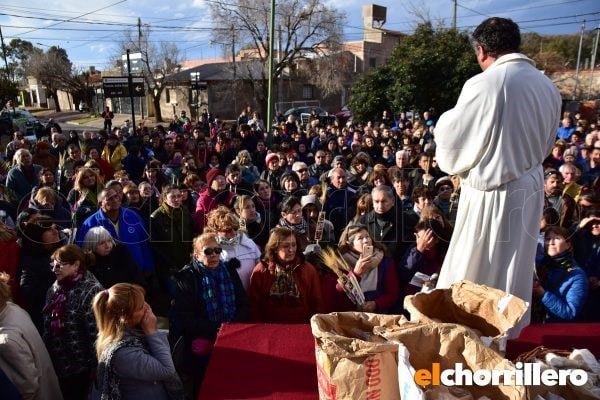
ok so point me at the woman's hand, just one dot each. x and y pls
(585, 221)
(363, 265)
(148, 323)
(538, 289)
(369, 306)
(424, 240)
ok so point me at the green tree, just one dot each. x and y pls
(427, 69)
(370, 94)
(18, 52)
(8, 90)
(430, 67)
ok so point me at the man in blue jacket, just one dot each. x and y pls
(565, 131)
(124, 225)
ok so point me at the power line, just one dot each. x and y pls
(82, 15)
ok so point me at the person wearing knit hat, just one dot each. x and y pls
(570, 155)
(212, 174)
(443, 190)
(273, 171)
(212, 196)
(271, 157)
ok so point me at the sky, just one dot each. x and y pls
(90, 30)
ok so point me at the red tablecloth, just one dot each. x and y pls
(262, 361)
(563, 336)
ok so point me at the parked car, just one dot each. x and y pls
(302, 114)
(19, 120)
(297, 111)
(344, 115)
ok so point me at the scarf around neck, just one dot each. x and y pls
(234, 241)
(368, 280)
(284, 284)
(218, 292)
(563, 261)
(301, 228)
(57, 304)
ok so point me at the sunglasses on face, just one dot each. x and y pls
(208, 251)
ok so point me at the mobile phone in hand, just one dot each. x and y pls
(367, 250)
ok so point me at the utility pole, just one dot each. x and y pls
(279, 83)
(454, 15)
(233, 86)
(139, 34)
(578, 59)
(270, 87)
(4, 54)
(594, 62)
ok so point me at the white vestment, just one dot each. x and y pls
(495, 138)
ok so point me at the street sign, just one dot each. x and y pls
(199, 85)
(117, 86)
(135, 59)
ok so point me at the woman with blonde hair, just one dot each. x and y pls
(208, 292)
(83, 198)
(134, 358)
(47, 200)
(251, 221)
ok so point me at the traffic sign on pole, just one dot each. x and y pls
(118, 86)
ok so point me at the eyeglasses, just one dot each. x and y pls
(113, 197)
(46, 224)
(58, 264)
(445, 188)
(302, 170)
(208, 251)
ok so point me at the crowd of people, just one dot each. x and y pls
(206, 222)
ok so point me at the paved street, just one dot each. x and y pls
(66, 120)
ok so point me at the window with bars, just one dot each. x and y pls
(307, 92)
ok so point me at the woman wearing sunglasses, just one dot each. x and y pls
(208, 292)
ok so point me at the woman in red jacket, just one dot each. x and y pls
(284, 288)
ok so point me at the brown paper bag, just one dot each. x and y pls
(352, 363)
(447, 344)
(489, 311)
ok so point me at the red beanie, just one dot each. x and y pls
(212, 174)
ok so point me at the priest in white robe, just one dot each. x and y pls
(495, 138)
